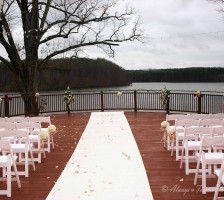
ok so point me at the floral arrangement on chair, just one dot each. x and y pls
(44, 135)
(168, 133)
(68, 98)
(163, 128)
(52, 129)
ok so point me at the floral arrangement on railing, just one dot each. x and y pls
(198, 93)
(68, 98)
(165, 95)
(119, 93)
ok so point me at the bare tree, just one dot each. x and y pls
(220, 3)
(34, 31)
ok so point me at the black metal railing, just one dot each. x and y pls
(136, 100)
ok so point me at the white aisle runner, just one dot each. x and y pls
(106, 164)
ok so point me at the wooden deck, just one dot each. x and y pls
(166, 179)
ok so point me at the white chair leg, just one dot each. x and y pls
(32, 161)
(196, 172)
(9, 180)
(203, 178)
(177, 149)
(16, 174)
(186, 162)
(26, 164)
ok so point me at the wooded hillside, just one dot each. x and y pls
(193, 74)
(77, 73)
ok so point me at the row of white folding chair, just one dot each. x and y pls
(174, 117)
(191, 143)
(20, 143)
(183, 123)
(208, 159)
(34, 138)
(42, 119)
(7, 161)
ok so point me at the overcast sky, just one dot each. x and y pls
(181, 33)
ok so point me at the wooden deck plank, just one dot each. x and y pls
(166, 179)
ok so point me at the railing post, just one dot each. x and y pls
(6, 102)
(199, 104)
(135, 100)
(102, 103)
(168, 106)
(36, 105)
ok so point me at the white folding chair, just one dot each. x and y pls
(7, 161)
(46, 120)
(192, 143)
(21, 146)
(170, 119)
(208, 159)
(33, 137)
(220, 181)
(179, 129)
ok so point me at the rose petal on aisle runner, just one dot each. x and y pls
(106, 163)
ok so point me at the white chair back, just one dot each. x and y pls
(17, 119)
(212, 142)
(198, 116)
(29, 126)
(187, 122)
(2, 119)
(211, 122)
(174, 117)
(41, 119)
(218, 131)
(198, 132)
(217, 116)
(7, 125)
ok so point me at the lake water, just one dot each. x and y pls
(192, 87)
(206, 87)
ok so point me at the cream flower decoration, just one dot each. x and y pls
(52, 129)
(163, 124)
(44, 135)
(171, 131)
(119, 93)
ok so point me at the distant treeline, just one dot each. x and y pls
(77, 73)
(193, 74)
(90, 73)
